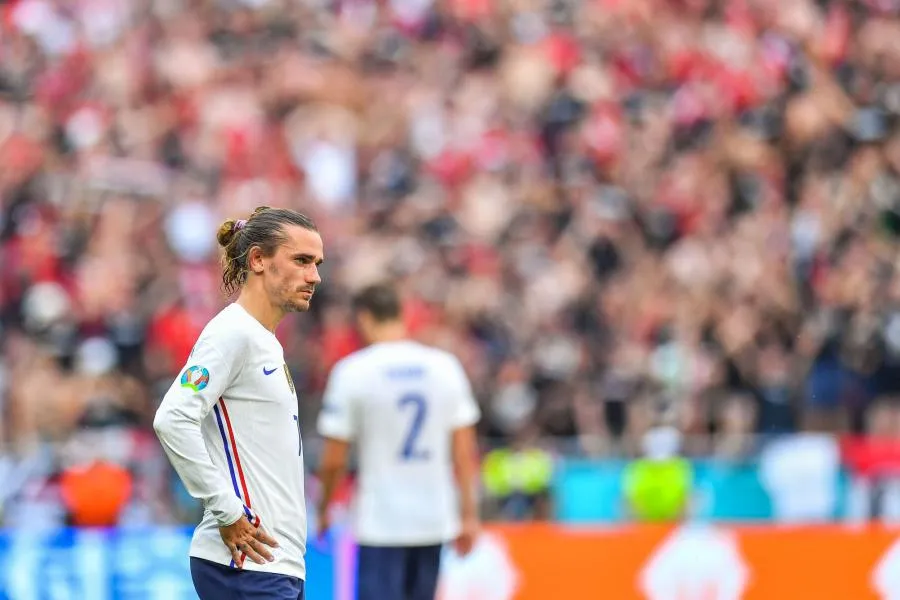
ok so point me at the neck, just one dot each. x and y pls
(260, 308)
(391, 331)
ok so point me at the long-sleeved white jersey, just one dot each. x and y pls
(229, 425)
(401, 401)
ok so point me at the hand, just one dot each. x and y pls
(466, 540)
(243, 538)
(324, 522)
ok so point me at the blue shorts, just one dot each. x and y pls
(213, 581)
(398, 573)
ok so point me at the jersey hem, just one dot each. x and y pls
(274, 568)
(412, 541)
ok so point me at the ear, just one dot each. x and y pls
(255, 260)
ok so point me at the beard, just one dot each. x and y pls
(293, 303)
(292, 300)
(293, 306)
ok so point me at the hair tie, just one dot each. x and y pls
(238, 225)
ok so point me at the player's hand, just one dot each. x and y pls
(466, 540)
(324, 522)
(242, 538)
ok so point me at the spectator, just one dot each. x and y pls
(95, 494)
(658, 484)
(517, 479)
(579, 199)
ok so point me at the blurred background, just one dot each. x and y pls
(662, 236)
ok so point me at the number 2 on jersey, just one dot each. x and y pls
(420, 409)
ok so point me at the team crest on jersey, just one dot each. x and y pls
(195, 378)
(290, 380)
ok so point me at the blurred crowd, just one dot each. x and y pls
(620, 214)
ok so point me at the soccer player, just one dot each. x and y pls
(229, 423)
(410, 410)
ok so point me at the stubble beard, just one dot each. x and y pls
(292, 307)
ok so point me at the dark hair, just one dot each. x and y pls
(265, 229)
(380, 300)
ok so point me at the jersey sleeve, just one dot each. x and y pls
(211, 368)
(466, 412)
(338, 417)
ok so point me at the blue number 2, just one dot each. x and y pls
(410, 452)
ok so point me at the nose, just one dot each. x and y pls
(313, 275)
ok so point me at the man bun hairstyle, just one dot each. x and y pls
(264, 229)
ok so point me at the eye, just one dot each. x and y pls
(307, 260)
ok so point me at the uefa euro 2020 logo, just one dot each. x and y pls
(195, 378)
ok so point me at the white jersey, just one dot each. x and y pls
(229, 425)
(400, 402)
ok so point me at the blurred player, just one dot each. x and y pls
(411, 412)
(229, 423)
